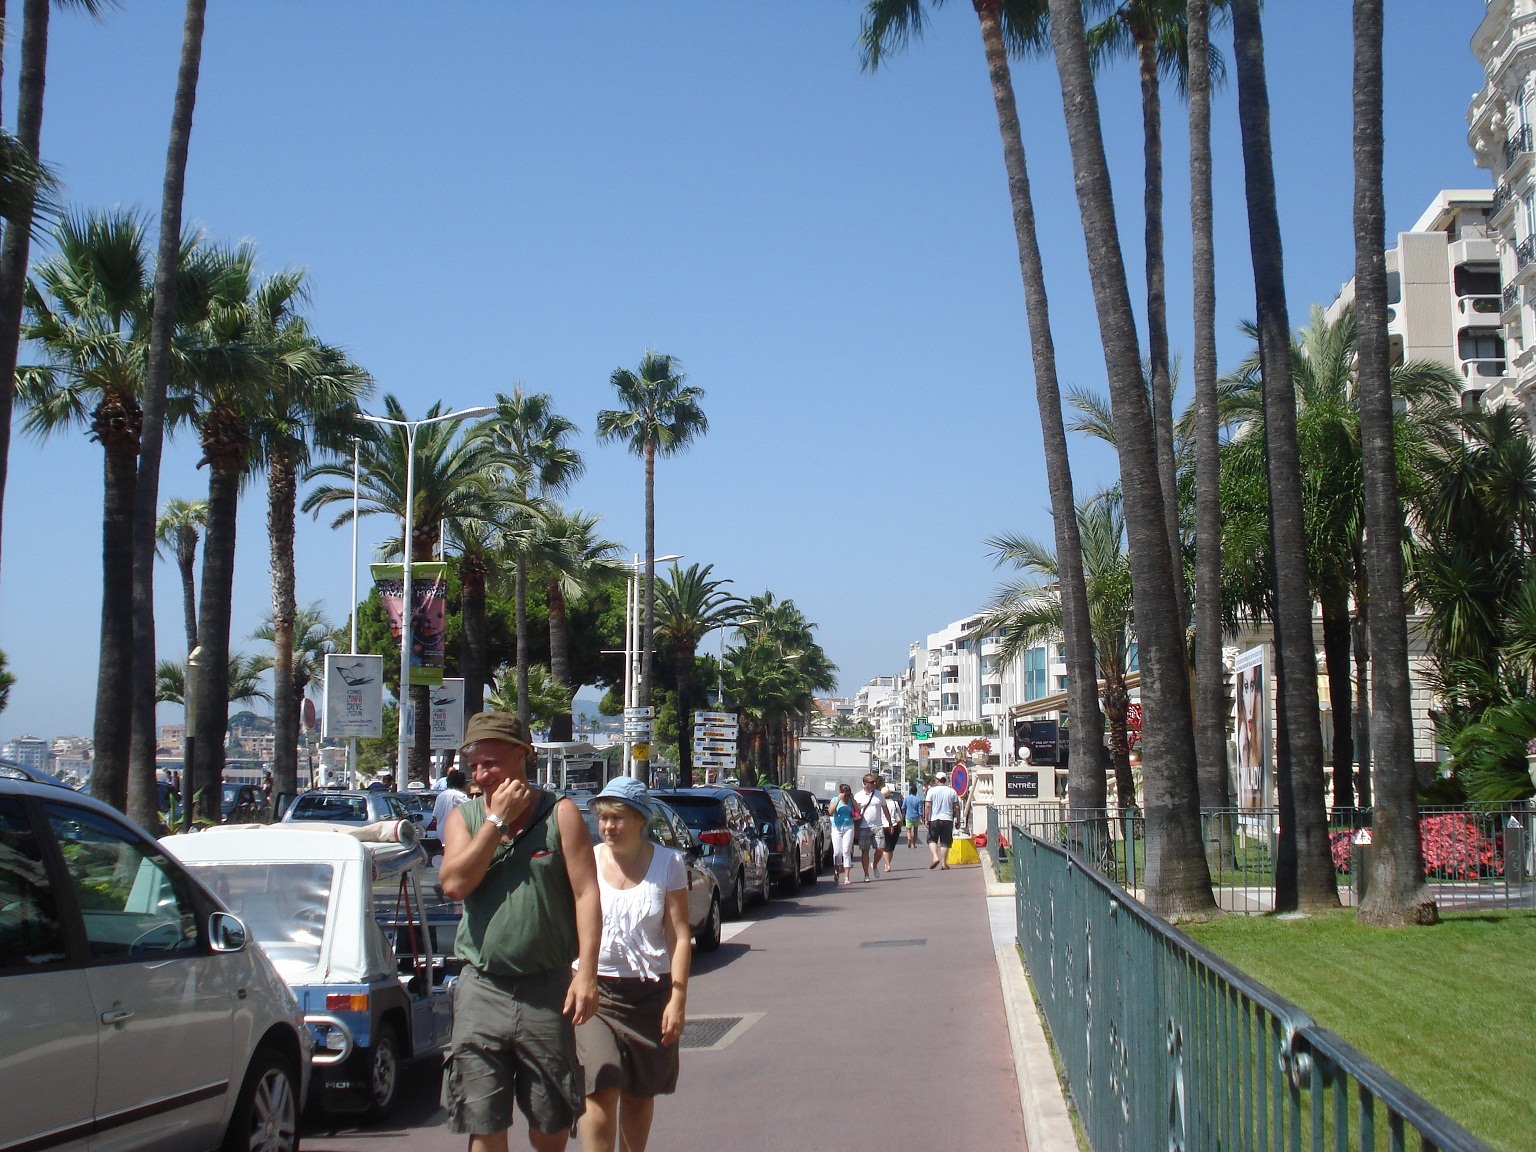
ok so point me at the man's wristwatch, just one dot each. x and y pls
(496, 820)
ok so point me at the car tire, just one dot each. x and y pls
(266, 1115)
(738, 895)
(383, 1074)
(791, 881)
(765, 893)
(707, 938)
(808, 876)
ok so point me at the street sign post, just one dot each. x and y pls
(714, 718)
(640, 713)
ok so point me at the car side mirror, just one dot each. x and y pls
(226, 932)
(767, 828)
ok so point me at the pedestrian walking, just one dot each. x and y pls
(912, 812)
(939, 807)
(892, 829)
(871, 813)
(628, 1048)
(448, 799)
(520, 859)
(843, 832)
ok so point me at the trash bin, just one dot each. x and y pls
(1360, 864)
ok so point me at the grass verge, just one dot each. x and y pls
(1448, 1010)
(1061, 1071)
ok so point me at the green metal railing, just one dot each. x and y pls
(1165, 1046)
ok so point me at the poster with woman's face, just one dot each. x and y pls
(1250, 736)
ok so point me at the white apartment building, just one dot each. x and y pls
(30, 752)
(1445, 298)
(1502, 133)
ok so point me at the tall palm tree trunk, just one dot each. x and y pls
(156, 389)
(1398, 894)
(212, 719)
(1210, 693)
(1178, 881)
(186, 564)
(1157, 295)
(16, 246)
(684, 655)
(648, 630)
(520, 607)
(1087, 765)
(1340, 689)
(472, 657)
(1304, 875)
(282, 494)
(1362, 645)
(1117, 706)
(560, 727)
(113, 723)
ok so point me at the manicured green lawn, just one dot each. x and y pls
(1449, 1010)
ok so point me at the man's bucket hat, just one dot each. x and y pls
(496, 726)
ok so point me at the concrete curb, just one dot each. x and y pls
(1047, 1123)
(989, 873)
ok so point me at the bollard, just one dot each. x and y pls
(1514, 852)
(1360, 864)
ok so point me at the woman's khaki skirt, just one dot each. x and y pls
(620, 1047)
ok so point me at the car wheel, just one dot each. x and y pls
(384, 1073)
(808, 876)
(707, 938)
(765, 893)
(266, 1116)
(791, 881)
(739, 895)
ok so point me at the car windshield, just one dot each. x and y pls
(337, 809)
(806, 803)
(698, 812)
(283, 906)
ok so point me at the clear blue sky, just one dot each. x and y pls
(485, 193)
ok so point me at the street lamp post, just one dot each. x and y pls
(402, 771)
(357, 445)
(633, 643)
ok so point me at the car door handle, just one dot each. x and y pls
(117, 1016)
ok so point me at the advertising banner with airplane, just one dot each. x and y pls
(354, 696)
(447, 713)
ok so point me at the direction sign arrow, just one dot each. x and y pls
(716, 749)
(715, 717)
(639, 713)
(714, 761)
(714, 734)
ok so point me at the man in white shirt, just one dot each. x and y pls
(448, 799)
(873, 820)
(939, 808)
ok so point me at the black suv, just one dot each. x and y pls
(778, 820)
(728, 840)
(814, 813)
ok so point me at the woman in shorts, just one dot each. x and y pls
(629, 1048)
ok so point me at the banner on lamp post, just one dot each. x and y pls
(354, 696)
(429, 613)
(447, 713)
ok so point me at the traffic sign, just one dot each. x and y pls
(639, 713)
(712, 733)
(633, 726)
(714, 717)
(640, 752)
(717, 749)
(714, 761)
(960, 779)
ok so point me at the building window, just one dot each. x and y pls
(991, 693)
(1061, 683)
(1034, 673)
(949, 701)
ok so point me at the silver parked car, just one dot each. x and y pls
(133, 1012)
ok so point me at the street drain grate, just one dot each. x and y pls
(894, 943)
(712, 1033)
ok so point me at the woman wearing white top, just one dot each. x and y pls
(628, 1050)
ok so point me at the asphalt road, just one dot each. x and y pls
(869, 1020)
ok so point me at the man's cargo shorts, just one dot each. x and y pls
(512, 1041)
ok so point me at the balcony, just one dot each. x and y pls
(1511, 297)
(1503, 197)
(1518, 145)
(1475, 307)
(1525, 252)
(1482, 370)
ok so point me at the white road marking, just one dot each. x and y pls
(734, 929)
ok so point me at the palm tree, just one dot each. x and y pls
(88, 311)
(660, 417)
(457, 481)
(1019, 26)
(772, 678)
(1028, 612)
(573, 560)
(311, 637)
(1210, 680)
(533, 441)
(1178, 878)
(1154, 34)
(689, 606)
(311, 406)
(178, 529)
(1304, 875)
(245, 687)
(167, 308)
(545, 699)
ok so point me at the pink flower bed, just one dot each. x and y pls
(1454, 848)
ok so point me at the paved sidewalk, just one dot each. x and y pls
(856, 1049)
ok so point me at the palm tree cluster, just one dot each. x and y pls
(1267, 539)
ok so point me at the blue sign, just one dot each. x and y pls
(960, 779)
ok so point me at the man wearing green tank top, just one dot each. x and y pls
(521, 861)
